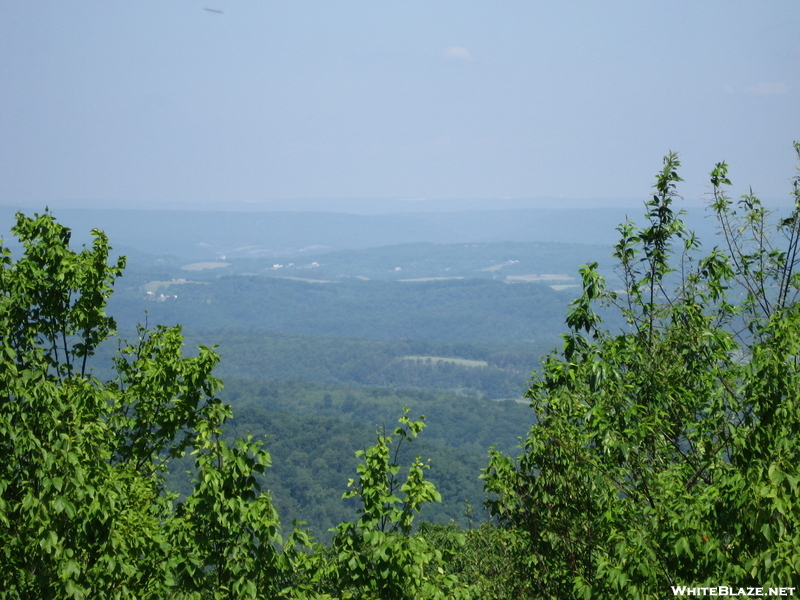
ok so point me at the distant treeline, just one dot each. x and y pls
(469, 309)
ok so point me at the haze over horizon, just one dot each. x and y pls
(368, 106)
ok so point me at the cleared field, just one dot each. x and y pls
(500, 266)
(153, 286)
(563, 286)
(199, 266)
(307, 280)
(464, 362)
(431, 279)
(541, 277)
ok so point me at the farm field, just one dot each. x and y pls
(464, 362)
(200, 266)
(153, 287)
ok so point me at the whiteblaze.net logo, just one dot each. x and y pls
(724, 590)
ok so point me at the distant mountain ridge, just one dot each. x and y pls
(205, 235)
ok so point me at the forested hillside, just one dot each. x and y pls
(474, 309)
(499, 370)
(313, 432)
(439, 367)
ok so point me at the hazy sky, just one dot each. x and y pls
(127, 103)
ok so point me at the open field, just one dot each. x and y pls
(540, 277)
(464, 362)
(199, 266)
(431, 279)
(308, 280)
(153, 287)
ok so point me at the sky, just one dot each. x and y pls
(267, 103)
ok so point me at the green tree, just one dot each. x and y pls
(492, 559)
(667, 454)
(83, 508)
(379, 557)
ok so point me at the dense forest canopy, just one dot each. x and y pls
(661, 458)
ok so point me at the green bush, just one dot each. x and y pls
(667, 454)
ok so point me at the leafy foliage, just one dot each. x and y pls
(84, 512)
(667, 454)
(494, 560)
(313, 457)
(377, 557)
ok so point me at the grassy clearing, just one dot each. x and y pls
(464, 362)
(306, 280)
(542, 277)
(431, 279)
(154, 286)
(199, 266)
